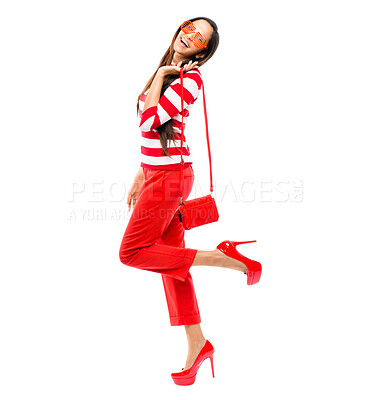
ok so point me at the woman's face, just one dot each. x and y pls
(186, 52)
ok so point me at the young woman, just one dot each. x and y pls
(154, 237)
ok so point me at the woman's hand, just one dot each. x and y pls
(134, 192)
(175, 69)
(135, 188)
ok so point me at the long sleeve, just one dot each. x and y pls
(170, 103)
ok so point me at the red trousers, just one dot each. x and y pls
(154, 241)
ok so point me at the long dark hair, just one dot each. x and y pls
(166, 129)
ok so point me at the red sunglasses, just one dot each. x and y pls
(199, 39)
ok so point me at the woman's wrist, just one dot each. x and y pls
(140, 175)
(160, 74)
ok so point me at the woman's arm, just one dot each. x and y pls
(157, 110)
(153, 96)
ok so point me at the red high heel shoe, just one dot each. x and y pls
(188, 376)
(254, 268)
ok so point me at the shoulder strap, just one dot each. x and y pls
(182, 134)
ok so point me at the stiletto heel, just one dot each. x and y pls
(188, 376)
(212, 364)
(254, 268)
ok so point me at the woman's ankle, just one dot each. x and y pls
(196, 343)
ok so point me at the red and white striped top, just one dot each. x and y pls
(168, 107)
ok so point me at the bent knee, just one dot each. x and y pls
(126, 256)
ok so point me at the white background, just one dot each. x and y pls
(288, 100)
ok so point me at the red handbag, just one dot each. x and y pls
(203, 210)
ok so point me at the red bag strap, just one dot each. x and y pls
(182, 134)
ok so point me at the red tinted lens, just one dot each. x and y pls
(199, 40)
(188, 27)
